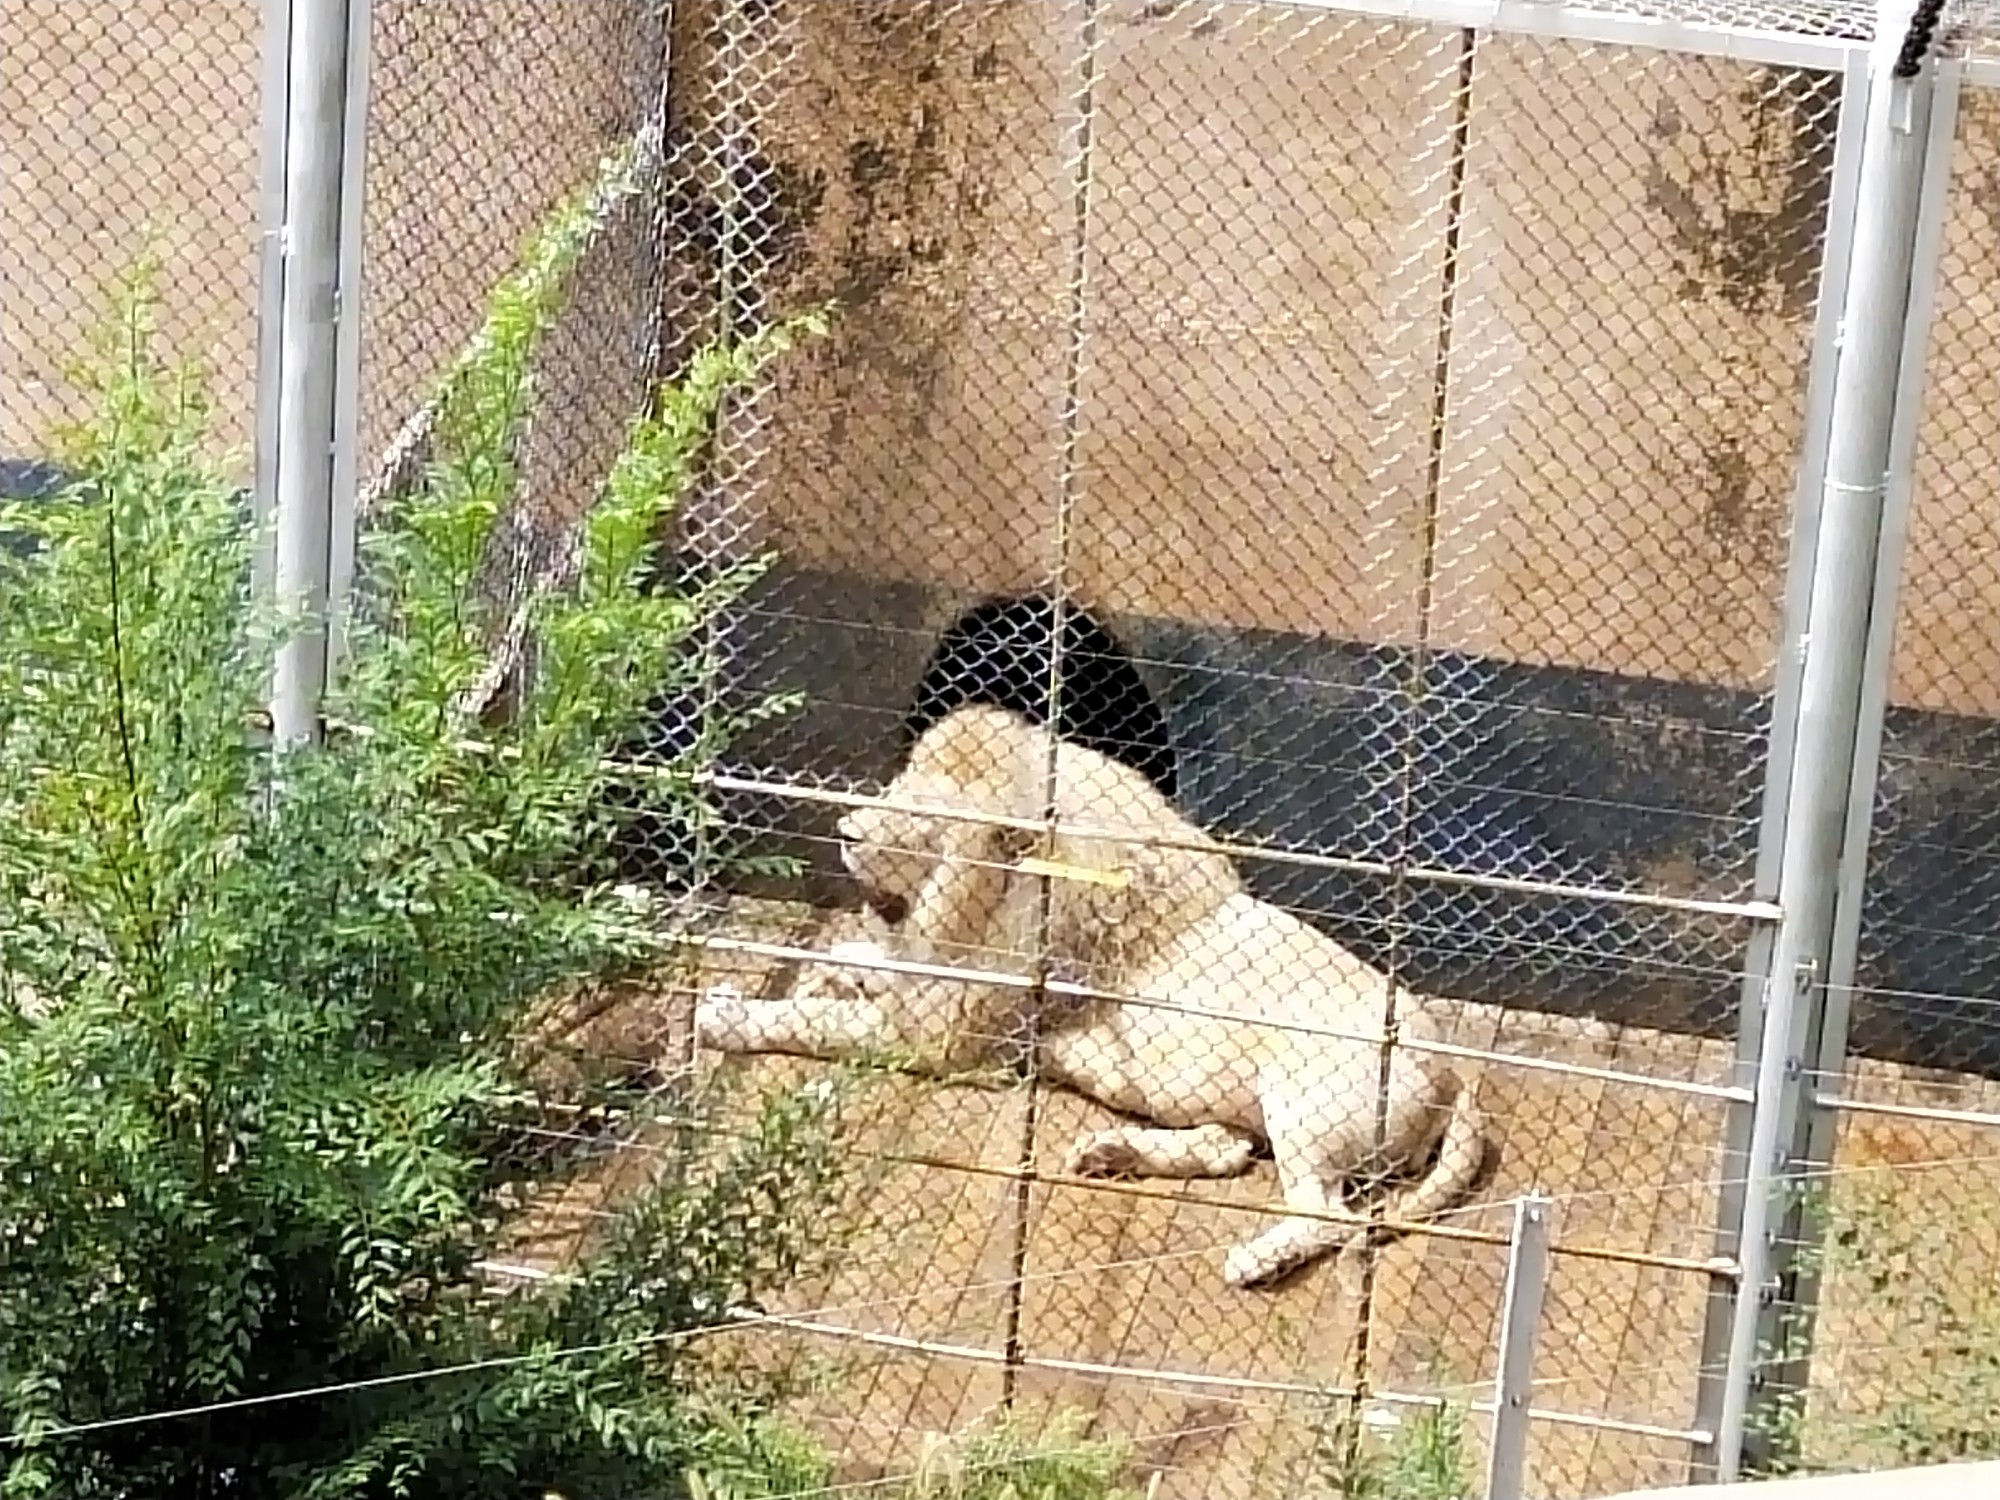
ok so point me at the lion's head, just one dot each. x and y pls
(1117, 890)
(888, 852)
(969, 759)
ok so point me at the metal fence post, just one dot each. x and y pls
(307, 347)
(1781, 758)
(1827, 1057)
(1520, 1321)
(1844, 570)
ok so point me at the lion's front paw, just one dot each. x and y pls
(722, 1019)
(860, 983)
(1104, 1153)
(1223, 1152)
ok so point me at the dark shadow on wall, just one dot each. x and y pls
(1002, 652)
(30, 478)
(1584, 779)
(38, 479)
(910, 657)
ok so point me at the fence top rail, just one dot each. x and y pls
(1825, 37)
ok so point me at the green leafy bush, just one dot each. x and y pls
(1916, 1379)
(256, 1011)
(1006, 1461)
(1421, 1457)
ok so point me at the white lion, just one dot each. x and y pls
(1234, 1022)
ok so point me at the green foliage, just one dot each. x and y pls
(254, 1048)
(606, 647)
(1422, 1457)
(1005, 1461)
(1002, 1460)
(755, 1458)
(1922, 1385)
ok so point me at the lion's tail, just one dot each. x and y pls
(1461, 1154)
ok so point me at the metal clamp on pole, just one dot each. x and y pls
(1876, 307)
(308, 348)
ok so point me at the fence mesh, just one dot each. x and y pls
(1379, 440)
(1373, 444)
(1903, 1366)
(129, 130)
(460, 171)
(1211, 539)
(484, 119)
(1927, 948)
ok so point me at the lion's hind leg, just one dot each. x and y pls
(1310, 1179)
(1295, 1241)
(1461, 1157)
(1141, 1151)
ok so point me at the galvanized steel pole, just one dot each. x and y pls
(1835, 648)
(311, 229)
(1520, 1321)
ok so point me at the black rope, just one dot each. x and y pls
(1917, 40)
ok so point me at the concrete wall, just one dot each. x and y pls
(1929, 930)
(484, 115)
(1948, 626)
(124, 125)
(1636, 264)
(121, 119)
(1641, 242)
(1607, 484)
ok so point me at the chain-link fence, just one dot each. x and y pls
(1381, 438)
(129, 130)
(483, 118)
(1387, 454)
(1926, 946)
(1384, 439)
(460, 170)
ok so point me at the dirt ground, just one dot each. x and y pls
(1123, 1314)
